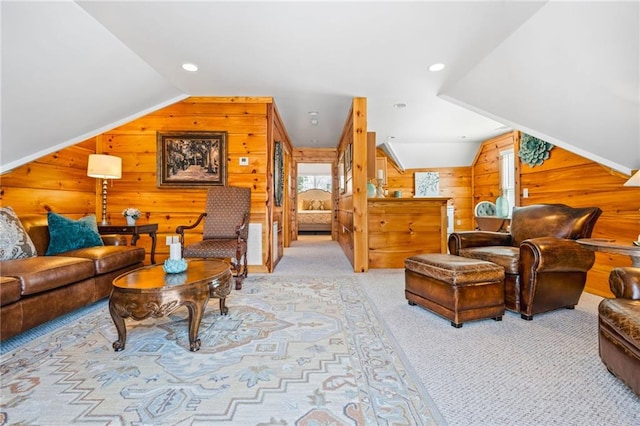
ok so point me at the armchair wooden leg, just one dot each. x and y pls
(526, 317)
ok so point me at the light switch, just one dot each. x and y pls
(244, 161)
(525, 193)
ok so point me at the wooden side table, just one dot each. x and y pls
(610, 246)
(134, 230)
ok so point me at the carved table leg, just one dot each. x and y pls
(223, 309)
(119, 344)
(195, 317)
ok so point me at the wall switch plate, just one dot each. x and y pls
(525, 193)
(244, 161)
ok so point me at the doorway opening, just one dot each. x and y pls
(314, 211)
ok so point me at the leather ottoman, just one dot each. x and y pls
(457, 288)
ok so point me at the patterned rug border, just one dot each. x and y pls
(373, 345)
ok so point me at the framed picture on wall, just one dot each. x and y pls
(191, 159)
(341, 174)
(427, 184)
(278, 174)
(347, 158)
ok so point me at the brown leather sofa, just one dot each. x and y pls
(545, 268)
(619, 327)
(38, 289)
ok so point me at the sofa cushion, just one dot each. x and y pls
(505, 256)
(15, 243)
(67, 234)
(109, 258)
(9, 290)
(42, 273)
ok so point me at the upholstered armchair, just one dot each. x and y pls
(225, 230)
(545, 268)
(619, 327)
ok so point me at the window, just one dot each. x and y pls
(310, 182)
(507, 176)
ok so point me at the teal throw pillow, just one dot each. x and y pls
(66, 234)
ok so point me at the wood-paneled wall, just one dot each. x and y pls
(56, 182)
(352, 203)
(59, 181)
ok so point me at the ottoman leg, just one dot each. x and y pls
(497, 318)
(412, 303)
(453, 324)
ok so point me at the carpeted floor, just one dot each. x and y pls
(404, 364)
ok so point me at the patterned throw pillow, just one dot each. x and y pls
(316, 205)
(15, 243)
(66, 234)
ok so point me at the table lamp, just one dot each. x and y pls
(104, 167)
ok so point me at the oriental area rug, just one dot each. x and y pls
(293, 350)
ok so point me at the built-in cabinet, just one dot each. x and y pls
(403, 227)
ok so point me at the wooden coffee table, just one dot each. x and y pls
(151, 292)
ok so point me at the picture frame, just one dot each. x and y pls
(341, 174)
(278, 174)
(427, 184)
(191, 159)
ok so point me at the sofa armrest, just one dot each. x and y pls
(462, 240)
(114, 240)
(624, 282)
(551, 254)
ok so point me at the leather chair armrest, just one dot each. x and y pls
(461, 240)
(624, 282)
(551, 254)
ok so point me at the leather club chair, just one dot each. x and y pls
(545, 268)
(619, 327)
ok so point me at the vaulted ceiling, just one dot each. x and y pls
(566, 72)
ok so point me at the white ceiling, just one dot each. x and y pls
(564, 71)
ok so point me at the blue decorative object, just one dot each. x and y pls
(533, 151)
(174, 266)
(371, 190)
(502, 206)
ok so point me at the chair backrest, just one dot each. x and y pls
(226, 207)
(552, 220)
(485, 208)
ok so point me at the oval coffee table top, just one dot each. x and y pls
(154, 277)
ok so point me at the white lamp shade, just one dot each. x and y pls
(634, 180)
(104, 166)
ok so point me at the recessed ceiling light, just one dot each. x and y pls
(400, 105)
(390, 138)
(436, 67)
(190, 67)
(463, 137)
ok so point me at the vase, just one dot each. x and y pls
(502, 206)
(131, 221)
(371, 190)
